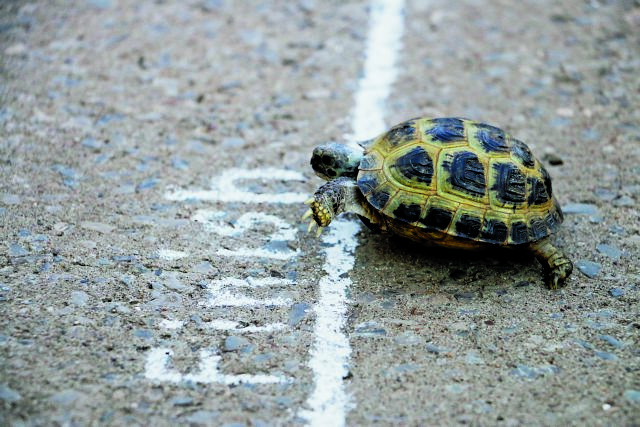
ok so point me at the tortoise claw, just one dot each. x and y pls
(307, 214)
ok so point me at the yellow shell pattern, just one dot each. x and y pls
(462, 178)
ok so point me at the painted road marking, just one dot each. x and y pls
(226, 187)
(226, 325)
(227, 292)
(329, 402)
(283, 232)
(221, 297)
(158, 369)
(171, 255)
(330, 354)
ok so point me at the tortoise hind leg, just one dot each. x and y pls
(554, 261)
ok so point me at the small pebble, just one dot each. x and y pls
(434, 349)
(10, 199)
(97, 226)
(472, 358)
(79, 298)
(233, 142)
(632, 396)
(616, 229)
(532, 373)
(203, 417)
(588, 268)
(408, 338)
(553, 159)
(298, 312)
(611, 341)
(235, 343)
(610, 251)
(15, 250)
(182, 401)
(9, 395)
(147, 184)
(369, 329)
(179, 164)
(604, 355)
(616, 292)
(579, 209)
(143, 333)
(90, 142)
(624, 201)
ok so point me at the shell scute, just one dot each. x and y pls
(462, 178)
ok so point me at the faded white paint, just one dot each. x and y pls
(212, 222)
(227, 187)
(220, 296)
(329, 401)
(282, 231)
(171, 255)
(380, 70)
(171, 324)
(158, 368)
(236, 327)
(258, 253)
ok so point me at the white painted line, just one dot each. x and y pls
(171, 255)
(221, 297)
(226, 187)
(259, 253)
(157, 368)
(252, 282)
(330, 354)
(329, 402)
(230, 325)
(383, 44)
(212, 222)
(171, 324)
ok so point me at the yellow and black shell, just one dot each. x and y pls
(461, 178)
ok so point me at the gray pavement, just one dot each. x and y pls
(154, 269)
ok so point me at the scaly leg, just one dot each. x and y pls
(555, 262)
(335, 197)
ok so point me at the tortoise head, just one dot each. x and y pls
(333, 160)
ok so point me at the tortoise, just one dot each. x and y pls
(444, 181)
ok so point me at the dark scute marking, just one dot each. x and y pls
(437, 218)
(554, 219)
(522, 152)
(379, 199)
(368, 162)
(367, 184)
(519, 232)
(491, 138)
(447, 129)
(538, 194)
(468, 226)
(467, 174)
(404, 132)
(408, 213)
(494, 231)
(551, 221)
(416, 164)
(547, 181)
(538, 229)
(510, 184)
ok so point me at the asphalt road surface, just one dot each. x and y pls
(154, 267)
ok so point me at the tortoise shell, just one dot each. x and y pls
(461, 178)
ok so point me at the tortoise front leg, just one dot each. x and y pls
(554, 261)
(335, 197)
